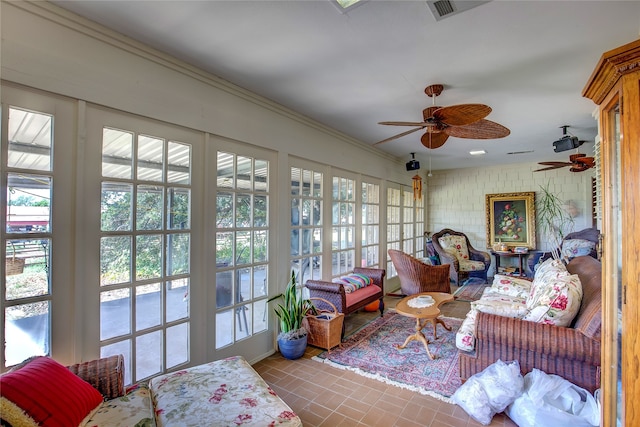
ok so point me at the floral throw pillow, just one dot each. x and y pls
(511, 286)
(577, 247)
(558, 303)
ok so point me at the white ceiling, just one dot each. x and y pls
(527, 60)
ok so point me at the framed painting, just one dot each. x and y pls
(511, 219)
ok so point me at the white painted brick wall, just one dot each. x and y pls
(456, 198)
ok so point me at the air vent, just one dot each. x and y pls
(445, 8)
(520, 152)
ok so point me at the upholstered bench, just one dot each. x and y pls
(349, 302)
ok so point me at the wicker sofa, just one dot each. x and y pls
(572, 352)
(225, 392)
(348, 303)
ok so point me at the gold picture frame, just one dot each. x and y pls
(511, 219)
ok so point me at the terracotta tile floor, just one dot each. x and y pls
(325, 396)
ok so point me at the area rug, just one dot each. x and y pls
(372, 352)
(470, 292)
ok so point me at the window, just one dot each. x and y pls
(343, 249)
(28, 178)
(242, 241)
(306, 223)
(370, 225)
(145, 251)
(393, 225)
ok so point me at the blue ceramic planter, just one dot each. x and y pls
(292, 349)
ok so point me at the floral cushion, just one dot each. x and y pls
(468, 265)
(455, 245)
(549, 271)
(132, 409)
(227, 392)
(512, 286)
(466, 335)
(557, 303)
(353, 282)
(576, 247)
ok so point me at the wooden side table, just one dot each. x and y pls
(423, 315)
(522, 260)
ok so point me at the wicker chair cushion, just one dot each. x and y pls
(576, 247)
(48, 393)
(468, 265)
(455, 245)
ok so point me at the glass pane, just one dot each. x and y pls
(260, 245)
(28, 203)
(117, 153)
(30, 140)
(148, 256)
(178, 251)
(335, 193)
(179, 159)
(243, 315)
(316, 218)
(148, 355)
(178, 297)
(224, 210)
(317, 184)
(260, 208)
(177, 345)
(115, 313)
(27, 331)
(243, 210)
(261, 176)
(115, 260)
(27, 270)
(307, 182)
(224, 288)
(224, 249)
(243, 291)
(243, 247)
(296, 184)
(150, 158)
(260, 316)
(260, 281)
(179, 209)
(123, 348)
(149, 207)
(224, 328)
(244, 174)
(148, 306)
(225, 170)
(115, 206)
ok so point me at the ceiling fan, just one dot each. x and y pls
(578, 163)
(461, 121)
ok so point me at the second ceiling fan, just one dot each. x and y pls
(461, 121)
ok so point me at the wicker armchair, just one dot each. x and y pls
(476, 265)
(416, 276)
(105, 374)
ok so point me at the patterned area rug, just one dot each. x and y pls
(470, 292)
(372, 352)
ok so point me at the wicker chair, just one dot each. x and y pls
(416, 276)
(476, 265)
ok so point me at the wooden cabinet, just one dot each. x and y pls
(615, 87)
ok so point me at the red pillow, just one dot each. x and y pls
(49, 393)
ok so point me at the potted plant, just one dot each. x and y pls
(554, 221)
(292, 339)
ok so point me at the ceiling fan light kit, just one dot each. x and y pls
(460, 121)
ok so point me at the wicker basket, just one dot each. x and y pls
(14, 265)
(325, 328)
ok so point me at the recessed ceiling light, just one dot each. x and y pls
(477, 152)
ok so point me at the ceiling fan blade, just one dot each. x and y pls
(421, 124)
(579, 167)
(400, 135)
(551, 167)
(434, 140)
(482, 129)
(462, 115)
(558, 164)
(588, 161)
